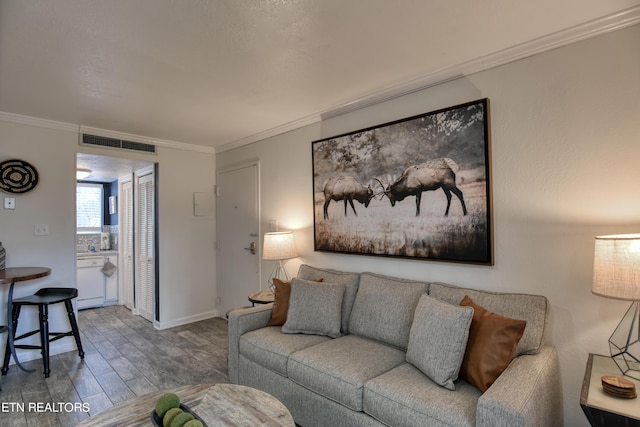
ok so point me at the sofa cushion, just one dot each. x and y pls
(349, 280)
(438, 339)
(271, 348)
(492, 343)
(338, 368)
(406, 397)
(384, 307)
(530, 308)
(314, 308)
(281, 295)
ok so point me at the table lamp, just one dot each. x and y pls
(616, 274)
(278, 246)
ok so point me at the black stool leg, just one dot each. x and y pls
(7, 351)
(44, 337)
(74, 327)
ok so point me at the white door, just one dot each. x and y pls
(145, 238)
(126, 243)
(238, 230)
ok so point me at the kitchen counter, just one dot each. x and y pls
(96, 253)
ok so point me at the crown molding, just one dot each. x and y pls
(79, 129)
(278, 130)
(596, 27)
(34, 121)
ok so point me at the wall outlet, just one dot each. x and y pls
(41, 230)
(9, 202)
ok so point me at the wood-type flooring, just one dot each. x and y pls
(124, 357)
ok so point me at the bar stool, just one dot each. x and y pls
(3, 329)
(43, 298)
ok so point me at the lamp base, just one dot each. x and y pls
(279, 273)
(624, 343)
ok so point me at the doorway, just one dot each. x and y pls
(132, 220)
(238, 236)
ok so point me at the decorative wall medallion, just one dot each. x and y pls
(17, 176)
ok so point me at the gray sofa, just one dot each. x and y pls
(363, 363)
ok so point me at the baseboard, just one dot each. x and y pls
(185, 320)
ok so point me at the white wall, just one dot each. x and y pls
(51, 202)
(187, 242)
(186, 253)
(565, 146)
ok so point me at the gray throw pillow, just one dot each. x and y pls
(438, 339)
(314, 308)
(349, 280)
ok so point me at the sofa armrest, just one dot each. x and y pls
(528, 393)
(240, 322)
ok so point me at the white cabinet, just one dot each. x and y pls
(95, 289)
(90, 281)
(111, 282)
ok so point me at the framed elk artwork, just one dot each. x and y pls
(413, 188)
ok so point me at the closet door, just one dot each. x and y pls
(145, 283)
(126, 247)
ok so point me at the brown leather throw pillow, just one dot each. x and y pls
(280, 308)
(492, 343)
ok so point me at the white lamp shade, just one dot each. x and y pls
(279, 245)
(616, 267)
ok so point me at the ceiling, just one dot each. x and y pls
(108, 169)
(216, 72)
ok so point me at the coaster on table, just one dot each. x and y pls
(619, 387)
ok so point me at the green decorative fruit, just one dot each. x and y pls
(166, 402)
(193, 423)
(170, 415)
(181, 419)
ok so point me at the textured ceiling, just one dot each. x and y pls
(218, 71)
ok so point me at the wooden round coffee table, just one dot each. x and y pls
(216, 405)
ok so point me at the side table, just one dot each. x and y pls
(261, 297)
(600, 408)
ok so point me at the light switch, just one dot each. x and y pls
(41, 230)
(9, 202)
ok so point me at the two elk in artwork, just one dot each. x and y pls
(431, 175)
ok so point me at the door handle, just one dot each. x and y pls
(251, 248)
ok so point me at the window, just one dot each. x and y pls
(89, 208)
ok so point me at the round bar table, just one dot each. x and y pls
(11, 276)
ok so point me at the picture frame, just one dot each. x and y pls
(415, 188)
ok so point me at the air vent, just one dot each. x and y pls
(103, 141)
